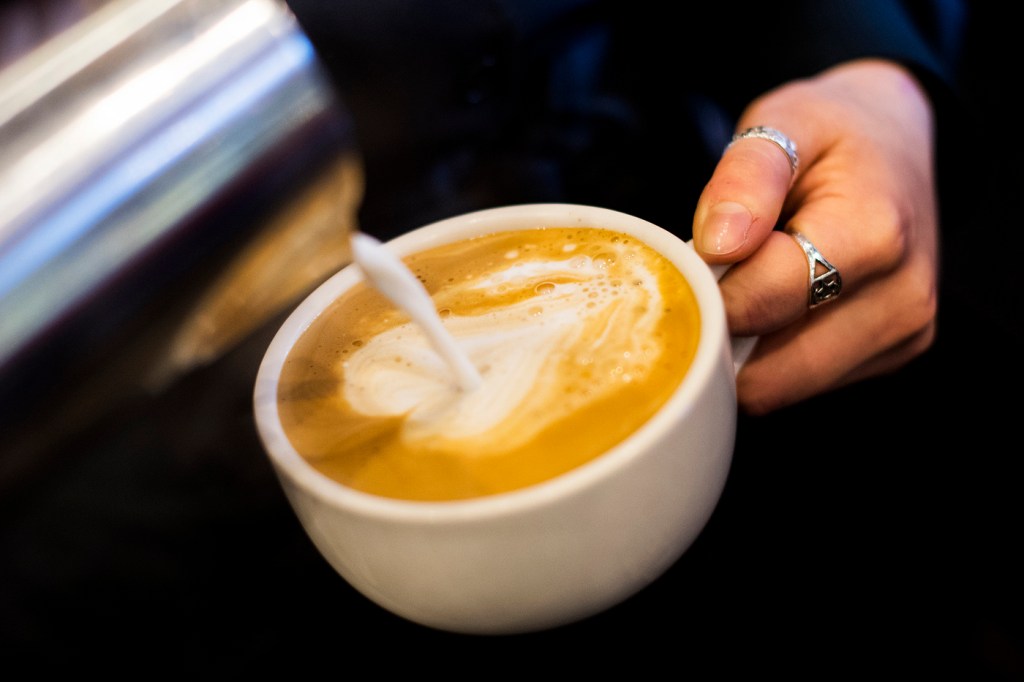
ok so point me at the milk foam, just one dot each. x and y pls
(566, 332)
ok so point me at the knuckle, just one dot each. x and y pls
(924, 340)
(921, 300)
(922, 323)
(886, 241)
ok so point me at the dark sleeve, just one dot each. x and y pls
(736, 53)
(832, 32)
(623, 103)
(703, 67)
(926, 36)
(929, 37)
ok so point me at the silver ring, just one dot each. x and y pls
(772, 135)
(824, 287)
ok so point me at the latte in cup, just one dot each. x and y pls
(585, 462)
(580, 335)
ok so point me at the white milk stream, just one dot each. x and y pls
(389, 275)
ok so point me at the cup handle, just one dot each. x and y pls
(742, 346)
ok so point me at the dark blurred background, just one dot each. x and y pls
(154, 539)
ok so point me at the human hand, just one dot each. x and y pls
(864, 194)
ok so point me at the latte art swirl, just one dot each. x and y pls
(567, 333)
(579, 334)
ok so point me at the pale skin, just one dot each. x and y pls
(864, 194)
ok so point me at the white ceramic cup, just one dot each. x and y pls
(552, 553)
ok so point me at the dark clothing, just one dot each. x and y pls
(628, 105)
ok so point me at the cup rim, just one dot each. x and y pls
(289, 463)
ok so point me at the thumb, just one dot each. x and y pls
(742, 202)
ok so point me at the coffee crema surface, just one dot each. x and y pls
(579, 335)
